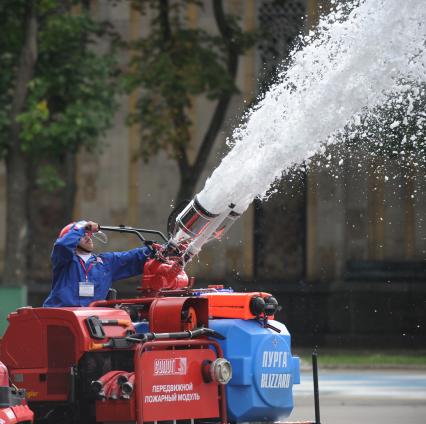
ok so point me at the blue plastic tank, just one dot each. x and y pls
(263, 369)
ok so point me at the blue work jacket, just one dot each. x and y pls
(101, 270)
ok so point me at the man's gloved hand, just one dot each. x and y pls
(91, 227)
(152, 249)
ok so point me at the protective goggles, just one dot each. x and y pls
(99, 236)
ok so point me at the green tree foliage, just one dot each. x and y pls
(172, 65)
(70, 102)
(57, 91)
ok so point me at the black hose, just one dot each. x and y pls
(137, 231)
(180, 335)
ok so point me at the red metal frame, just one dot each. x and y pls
(160, 307)
(57, 338)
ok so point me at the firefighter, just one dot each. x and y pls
(79, 275)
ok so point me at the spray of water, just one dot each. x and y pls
(362, 55)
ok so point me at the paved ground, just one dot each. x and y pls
(363, 397)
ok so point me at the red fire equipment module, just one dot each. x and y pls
(91, 363)
(173, 353)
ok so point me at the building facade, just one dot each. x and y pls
(341, 246)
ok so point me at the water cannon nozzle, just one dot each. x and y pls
(195, 225)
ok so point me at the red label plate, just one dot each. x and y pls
(173, 387)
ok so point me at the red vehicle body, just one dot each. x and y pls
(144, 359)
(85, 365)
